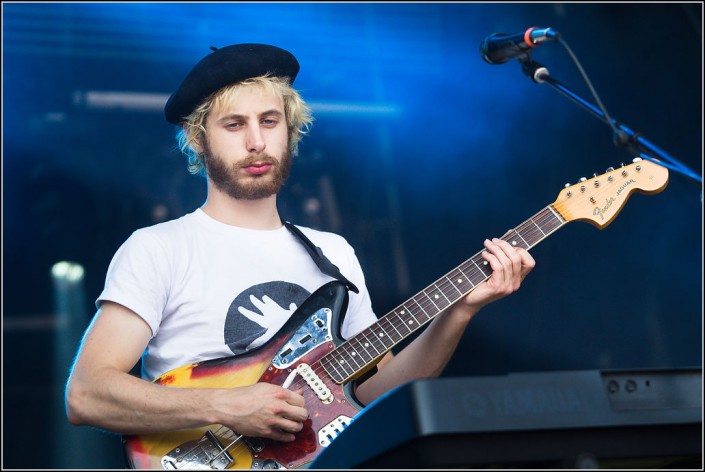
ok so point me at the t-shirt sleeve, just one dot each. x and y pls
(138, 277)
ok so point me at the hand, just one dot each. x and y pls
(509, 265)
(263, 410)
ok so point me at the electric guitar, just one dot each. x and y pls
(308, 351)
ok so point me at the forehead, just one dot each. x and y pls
(248, 99)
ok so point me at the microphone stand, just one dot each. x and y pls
(623, 136)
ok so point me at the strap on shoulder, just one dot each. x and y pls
(323, 263)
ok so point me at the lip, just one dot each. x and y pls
(258, 168)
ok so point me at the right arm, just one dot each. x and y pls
(102, 393)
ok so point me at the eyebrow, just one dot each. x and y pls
(235, 116)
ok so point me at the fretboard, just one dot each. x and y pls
(365, 348)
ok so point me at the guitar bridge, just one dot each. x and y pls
(206, 453)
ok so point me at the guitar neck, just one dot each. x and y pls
(360, 352)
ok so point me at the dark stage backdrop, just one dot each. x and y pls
(420, 150)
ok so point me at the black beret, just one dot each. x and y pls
(227, 66)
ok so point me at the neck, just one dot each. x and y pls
(253, 214)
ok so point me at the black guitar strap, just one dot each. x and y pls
(323, 263)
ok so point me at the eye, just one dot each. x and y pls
(233, 125)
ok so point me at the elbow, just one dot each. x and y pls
(76, 400)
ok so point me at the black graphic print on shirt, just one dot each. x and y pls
(259, 312)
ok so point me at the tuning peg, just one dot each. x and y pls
(568, 193)
(638, 166)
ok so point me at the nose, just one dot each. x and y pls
(255, 140)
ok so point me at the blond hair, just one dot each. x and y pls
(193, 129)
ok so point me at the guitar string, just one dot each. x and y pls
(531, 230)
(525, 231)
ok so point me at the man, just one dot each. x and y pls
(223, 279)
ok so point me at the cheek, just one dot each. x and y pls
(281, 138)
(223, 141)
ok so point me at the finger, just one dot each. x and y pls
(499, 262)
(295, 397)
(295, 413)
(527, 262)
(514, 274)
(282, 436)
(510, 252)
(287, 425)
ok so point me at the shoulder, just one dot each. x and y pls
(166, 236)
(167, 229)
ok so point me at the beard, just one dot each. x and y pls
(228, 178)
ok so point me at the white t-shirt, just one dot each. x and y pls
(210, 290)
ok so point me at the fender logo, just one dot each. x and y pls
(600, 211)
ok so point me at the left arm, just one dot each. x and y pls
(430, 352)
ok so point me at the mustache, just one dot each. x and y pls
(252, 160)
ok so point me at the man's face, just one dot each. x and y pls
(246, 145)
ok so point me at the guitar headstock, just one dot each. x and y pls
(599, 199)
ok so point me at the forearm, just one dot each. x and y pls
(121, 403)
(424, 357)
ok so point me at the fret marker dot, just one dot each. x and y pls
(342, 361)
(403, 311)
(460, 281)
(367, 344)
(435, 296)
(514, 243)
(484, 262)
(411, 321)
(354, 353)
(381, 335)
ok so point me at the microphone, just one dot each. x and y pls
(498, 48)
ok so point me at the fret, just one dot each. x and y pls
(440, 289)
(556, 222)
(452, 284)
(539, 227)
(345, 366)
(372, 342)
(432, 299)
(484, 268)
(419, 305)
(465, 278)
(395, 329)
(413, 322)
(352, 354)
(400, 317)
(331, 363)
(369, 343)
(526, 245)
(381, 333)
